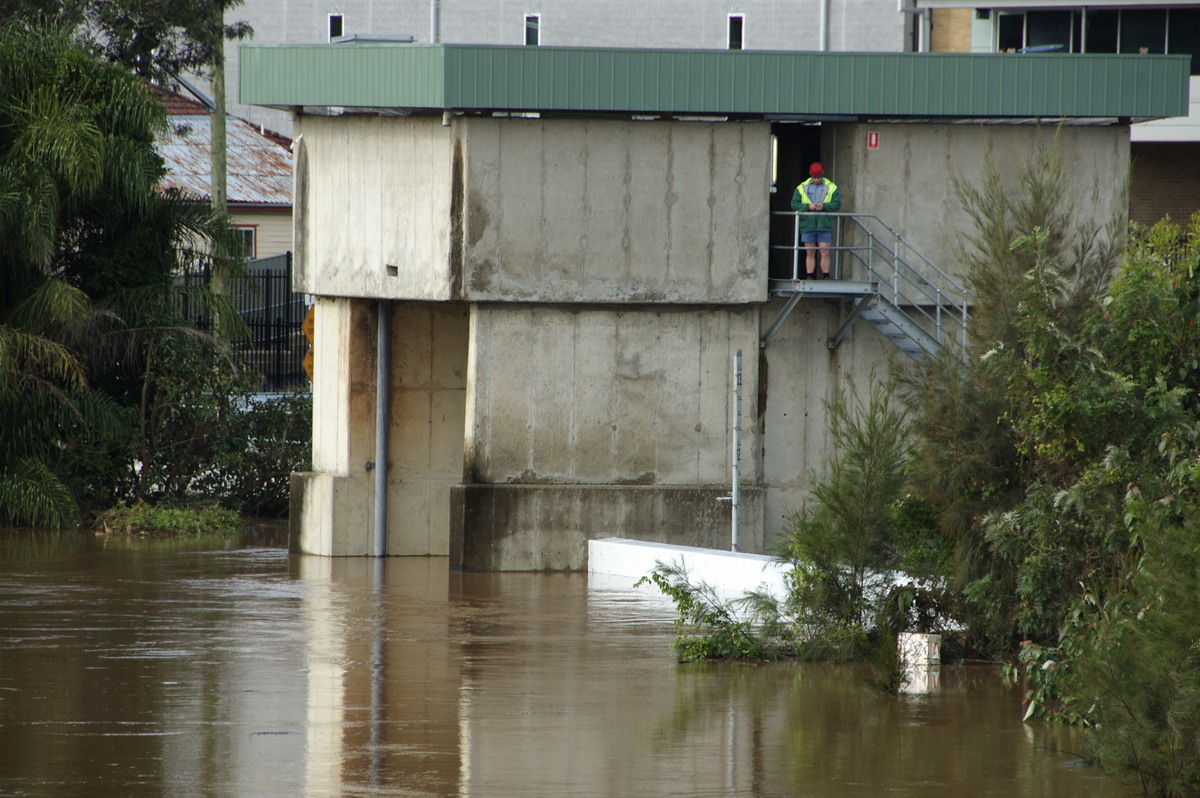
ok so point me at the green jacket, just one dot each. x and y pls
(812, 221)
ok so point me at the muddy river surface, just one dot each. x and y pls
(212, 670)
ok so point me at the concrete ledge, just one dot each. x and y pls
(730, 574)
(547, 527)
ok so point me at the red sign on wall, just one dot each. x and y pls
(872, 140)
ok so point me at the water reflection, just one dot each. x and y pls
(142, 670)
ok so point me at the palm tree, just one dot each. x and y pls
(88, 252)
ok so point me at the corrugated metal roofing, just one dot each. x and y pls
(258, 169)
(740, 83)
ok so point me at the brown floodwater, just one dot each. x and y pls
(210, 669)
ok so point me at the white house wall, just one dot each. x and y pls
(272, 229)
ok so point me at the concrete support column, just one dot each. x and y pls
(331, 505)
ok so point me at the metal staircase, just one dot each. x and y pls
(884, 282)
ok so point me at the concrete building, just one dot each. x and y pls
(814, 25)
(533, 267)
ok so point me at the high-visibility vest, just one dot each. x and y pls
(828, 195)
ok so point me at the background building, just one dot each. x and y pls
(812, 25)
(1165, 154)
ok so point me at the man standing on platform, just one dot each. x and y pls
(813, 198)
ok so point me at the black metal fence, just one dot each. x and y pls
(274, 315)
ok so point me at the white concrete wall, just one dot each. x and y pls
(331, 505)
(615, 211)
(373, 192)
(730, 574)
(568, 395)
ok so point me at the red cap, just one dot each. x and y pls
(816, 170)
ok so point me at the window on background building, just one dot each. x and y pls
(1044, 31)
(1052, 29)
(1144, 30)
(249, 242)
(1183, 35)
(1010, 32)
(336, 28)
(1103, 31)
(737, 24)
(533, 24)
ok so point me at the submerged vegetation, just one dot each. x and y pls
(1039, 490)
(143, 520)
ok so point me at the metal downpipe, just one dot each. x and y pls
(383, 358)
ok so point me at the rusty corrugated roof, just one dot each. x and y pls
(177, 104)
(258, 166)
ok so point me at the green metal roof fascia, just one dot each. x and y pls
(358, 75)
(715, 82)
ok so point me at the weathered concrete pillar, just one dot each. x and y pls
(331, 505)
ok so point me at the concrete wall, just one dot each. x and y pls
(608, 396)
(547, 527)
(594, 421)
(373, 192)
(532, 210)
(615, 211)
(909, 181)
(802, 376)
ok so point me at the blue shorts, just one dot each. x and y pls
(817, 237)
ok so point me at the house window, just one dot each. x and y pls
(249, 241)
(533, 23)
(736, 26)
(336, 29)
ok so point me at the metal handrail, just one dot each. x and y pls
(920, 291)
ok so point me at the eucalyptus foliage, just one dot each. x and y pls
(155, 39)
(1044, 483)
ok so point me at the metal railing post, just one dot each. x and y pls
(938, 323)
(796, 246)
(896, 273)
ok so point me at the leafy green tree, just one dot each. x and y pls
(88, 250)
(72, 133)
(157, 40)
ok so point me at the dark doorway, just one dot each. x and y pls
(797, 146)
